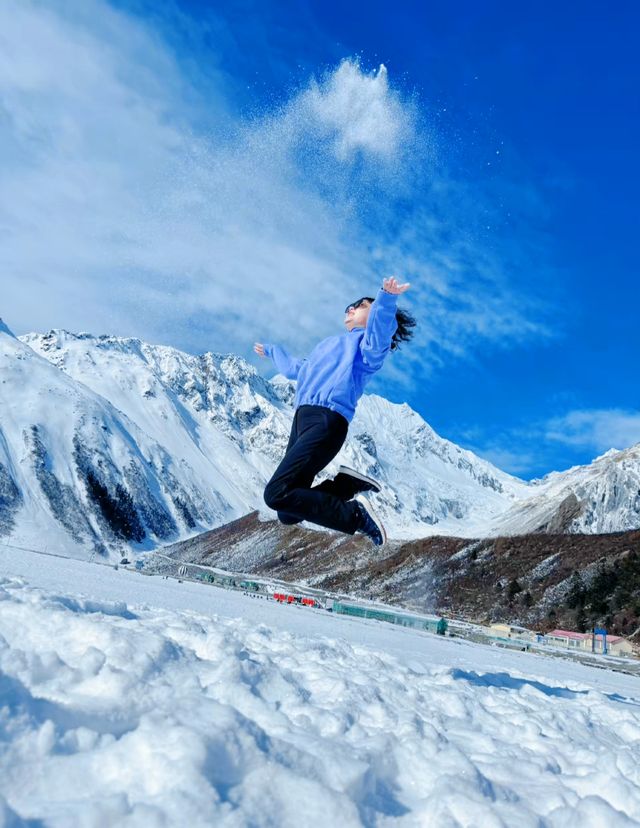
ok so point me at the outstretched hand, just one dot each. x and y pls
(391, 286)
(259, 349)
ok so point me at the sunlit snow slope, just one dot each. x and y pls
(130, 700)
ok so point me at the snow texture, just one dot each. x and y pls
(139, 701)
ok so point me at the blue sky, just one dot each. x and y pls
(204, 176)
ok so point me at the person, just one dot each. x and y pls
(331, 380)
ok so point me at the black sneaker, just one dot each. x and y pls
(350, 482)
(371, 525)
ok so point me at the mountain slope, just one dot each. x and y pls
(527, 579)
(429, 482)
(77, 475)
(603, 496)
(111, 444)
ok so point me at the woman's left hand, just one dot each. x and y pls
(391, 286)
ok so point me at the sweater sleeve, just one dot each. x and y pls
(285, 364)
(380, 329)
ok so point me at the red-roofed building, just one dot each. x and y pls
(616, 645)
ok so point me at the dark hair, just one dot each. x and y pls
(404, 330)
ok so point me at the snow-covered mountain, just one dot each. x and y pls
(601, 497)
(109, 443)
(78, 475)
(220, 407)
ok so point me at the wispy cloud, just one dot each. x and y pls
(515, 451)
(119, 213)
(516, 461)
(596, 429)
(532, 448)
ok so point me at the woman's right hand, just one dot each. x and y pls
(259, 349)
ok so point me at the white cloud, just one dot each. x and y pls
(532, 448)
(518, 463)
(118, 215)
(596, 429)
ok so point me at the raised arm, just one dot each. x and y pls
(285, 364)
(381, 324)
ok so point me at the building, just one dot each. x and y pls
(513, 632)
(587, 642)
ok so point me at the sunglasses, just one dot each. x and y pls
(357, 304)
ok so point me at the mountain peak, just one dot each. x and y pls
(193, 439)
(612, 452)
(618, 455)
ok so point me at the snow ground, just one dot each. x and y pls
(137, 701)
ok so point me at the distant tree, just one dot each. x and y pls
(513, 589)
(184, 511)
(577, 593)
(621, 597)
(118, 509)
(582, 622)
(602, 588)
(132, 528)
(527, 599)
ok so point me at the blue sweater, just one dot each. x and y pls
(336, 371)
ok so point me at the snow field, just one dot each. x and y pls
(118, 713)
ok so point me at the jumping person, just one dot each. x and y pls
(331, 380)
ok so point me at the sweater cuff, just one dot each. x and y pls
(389, 300)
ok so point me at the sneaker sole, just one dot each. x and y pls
(359, 476)
(374, 517)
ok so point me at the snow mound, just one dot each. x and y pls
(118, 713)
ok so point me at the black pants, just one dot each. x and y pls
(317, 435)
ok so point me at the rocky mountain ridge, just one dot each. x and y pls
(110, 444)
